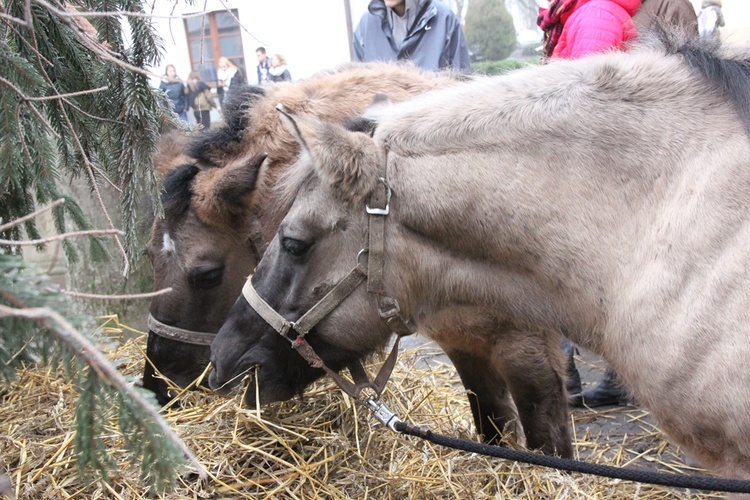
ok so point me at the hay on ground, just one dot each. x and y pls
(320, 447)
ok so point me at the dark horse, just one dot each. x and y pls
(606, 197)
(221, 208)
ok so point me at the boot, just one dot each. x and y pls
(608, 391)
(573, 383)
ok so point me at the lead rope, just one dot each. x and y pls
(384, 415)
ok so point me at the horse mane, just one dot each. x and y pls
(538, 102)
(250, 115)
(730, 76)
(213, 145)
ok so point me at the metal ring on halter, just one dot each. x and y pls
(359, 254)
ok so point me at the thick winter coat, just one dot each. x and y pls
(596, 26)
(433, 42)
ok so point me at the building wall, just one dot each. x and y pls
(312, 35)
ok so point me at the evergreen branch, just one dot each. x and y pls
(106, 54)
(78, 343)
(15, 20)
(21, 220)
(117, 297)
(25, 98)
(90, 232)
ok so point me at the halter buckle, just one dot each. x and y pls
(387, 209)
(288, 326)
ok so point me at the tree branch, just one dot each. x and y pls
(91, 232)
(117, 297)
(23, 219)
(78, 342)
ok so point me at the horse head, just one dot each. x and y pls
(203, 249)
(320, 240)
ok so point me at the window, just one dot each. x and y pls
(211, 36)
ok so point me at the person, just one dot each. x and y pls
(175, 90)
(200, 99)
(677, 14)
(229, 76)
(710, 19)
(575, 29)
(263, 65)
(427, 32)
(277, 71)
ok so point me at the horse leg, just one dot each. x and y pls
(490, 402)
(534, 369)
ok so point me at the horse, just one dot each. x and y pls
(606, 198)
(220, 212)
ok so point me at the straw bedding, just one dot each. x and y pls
(323, 446)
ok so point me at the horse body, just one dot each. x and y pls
(221, 209)
(606, 198)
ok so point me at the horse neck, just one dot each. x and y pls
(491, 240)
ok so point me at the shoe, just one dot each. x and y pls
(573, 384)
(607, 392)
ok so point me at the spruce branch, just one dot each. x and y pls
(141, 409)
(90, 232)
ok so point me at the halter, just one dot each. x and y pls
(178, 334)
(388, 308)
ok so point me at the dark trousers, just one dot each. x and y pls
(203, 117)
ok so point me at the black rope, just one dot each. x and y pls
(660, 478)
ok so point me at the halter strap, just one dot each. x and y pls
(377, 207)
(174, 333)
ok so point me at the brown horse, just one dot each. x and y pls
(605, 197)
(220, 212)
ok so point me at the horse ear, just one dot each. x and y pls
(223, 195)
(349, 160)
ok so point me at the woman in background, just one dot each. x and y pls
(200, 99)
(230, 77)
(277, 71)
(175, 90)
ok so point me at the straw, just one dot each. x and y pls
(322, 446)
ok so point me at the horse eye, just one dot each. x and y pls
(295, 247)
(205, 279)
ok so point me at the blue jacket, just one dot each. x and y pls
(175, 91)
(434, 41)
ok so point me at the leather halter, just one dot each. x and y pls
(377, 208)
(178, 334)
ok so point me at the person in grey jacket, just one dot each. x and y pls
(425, 32)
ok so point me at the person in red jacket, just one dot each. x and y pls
(575, 28)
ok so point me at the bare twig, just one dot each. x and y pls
(116, 297)
(240, 24)
(91, 232)
(78, 342)
(63, 96)
(23, 219)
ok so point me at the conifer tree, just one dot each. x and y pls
(75, 103)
